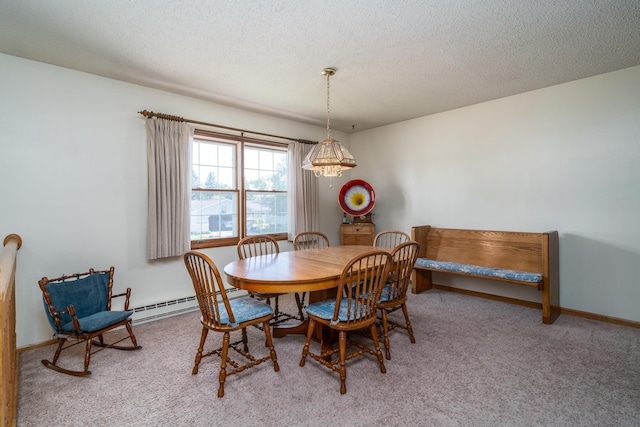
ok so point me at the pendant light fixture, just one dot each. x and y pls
(328, 157)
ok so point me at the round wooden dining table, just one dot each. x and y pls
(316, 271)
(306, 270)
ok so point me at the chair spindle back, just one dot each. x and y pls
(361, 284)
(390, 239)
(258, 245)
(208, 286)
(404, 258)
(310, 240)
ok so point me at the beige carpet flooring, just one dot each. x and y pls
(476, 363)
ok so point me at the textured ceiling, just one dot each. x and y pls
(395, 59)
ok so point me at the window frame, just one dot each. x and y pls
(240, 143)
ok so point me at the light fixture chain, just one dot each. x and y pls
(328, 107)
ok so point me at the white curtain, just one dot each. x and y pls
(305, 198)
(169, 171)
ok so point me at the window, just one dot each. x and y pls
(239, 188)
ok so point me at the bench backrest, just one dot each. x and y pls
(497, 249)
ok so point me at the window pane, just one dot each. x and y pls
(251, 159)
(227, 178)
(213, 165)
(227, 157)
(266, 213)
(208, 177)
(214, 214)
(267, 169)
(250, 177)
(208, 154)
(266, 160)
(280, 180)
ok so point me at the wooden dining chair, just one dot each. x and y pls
(309, 240)
(353, 308)
(390, 239)
(220, 314)
(263, 244)
(394, 293)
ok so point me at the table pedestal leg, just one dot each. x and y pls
(284, 329)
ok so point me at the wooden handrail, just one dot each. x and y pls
(8, 354)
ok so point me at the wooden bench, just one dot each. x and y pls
(516, 257)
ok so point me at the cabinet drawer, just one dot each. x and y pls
(357, 229)
(357, 234)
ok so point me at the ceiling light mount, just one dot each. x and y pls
(328, 157)
(328, 71)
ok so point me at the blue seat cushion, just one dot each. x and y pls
(244, 309)
(98, 321)
(325, 309)
(456, 267)
(388, 293)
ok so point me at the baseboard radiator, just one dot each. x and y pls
(174, 307)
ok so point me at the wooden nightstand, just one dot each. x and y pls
(357, 234)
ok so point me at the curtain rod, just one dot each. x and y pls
(149, 114)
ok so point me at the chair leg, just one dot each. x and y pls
(409, 328)
(374, 334)
(131, 336)
(203, 338)
(53, 365)
(61, 342)
(305, 349)
(223, 364)
(343, 361)
(87, 356)
(385, 328)
(272, 350)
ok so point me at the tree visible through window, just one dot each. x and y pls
(229, 200)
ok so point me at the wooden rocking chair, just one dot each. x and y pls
(79, 308)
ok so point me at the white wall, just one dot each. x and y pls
(74, 184)
(563, 158)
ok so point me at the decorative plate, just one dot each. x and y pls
(357, 197)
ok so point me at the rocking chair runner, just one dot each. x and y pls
(78, 307)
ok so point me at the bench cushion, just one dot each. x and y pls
(456, 267)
